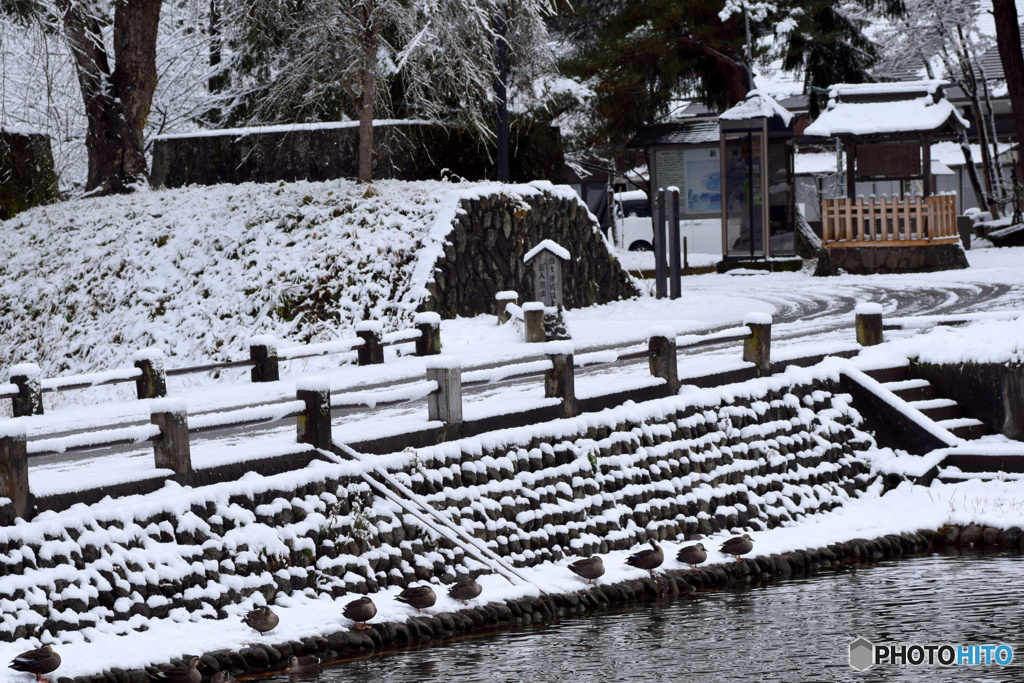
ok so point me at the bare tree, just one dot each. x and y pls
(108, 53)
(1008, 37)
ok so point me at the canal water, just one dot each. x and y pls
(789, 630)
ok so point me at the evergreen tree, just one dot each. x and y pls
(642, 56)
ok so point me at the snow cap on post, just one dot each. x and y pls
(548, 245)
(533, 306)
(662, 331)
(175, 406)
(315, 383)
(756, 318)
(427, 318)
(558, 348)
(868, 308)
(30, 370)
(268, 340)
(443, 363)
(370, 326)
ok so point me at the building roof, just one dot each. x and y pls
(757, 105)
(676, 133)
(885, 109)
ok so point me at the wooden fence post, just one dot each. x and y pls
(263, 354)
(533, 315)
(664, 363)
(29, 401)
(501, 302)
(371, 352)
(153, 383)
(868, 324)
(560, 380)
(429, 325)
(757, 347)
(313, 425)
(172, 451)
(13, 472)
(445, 405)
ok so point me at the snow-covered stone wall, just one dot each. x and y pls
(676, 468)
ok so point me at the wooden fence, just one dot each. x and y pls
(889, 221)
(171, 427)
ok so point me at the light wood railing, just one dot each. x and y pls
(889, 221)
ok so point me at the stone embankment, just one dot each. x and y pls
(675, 468)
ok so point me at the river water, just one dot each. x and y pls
(790, 630)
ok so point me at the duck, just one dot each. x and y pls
(223, 676)
(188, 673)
(465, 590)
(308, 664)
(360, 611)
(420, 597)
(692, 554)
(648, 558)
(590, 568)
(262, 619)
(738, 545)
(39, 661)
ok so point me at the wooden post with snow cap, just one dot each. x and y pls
(371, 352)
(313, 425)
(263, 354)
(560, 380)
(429, 341)
(664, 363)
(445, 404)
(29, 401)
(153, 383)
(13, 471)
(501, 302)
(757, 348)
(533, 315)
(172, 451)
(869, 324)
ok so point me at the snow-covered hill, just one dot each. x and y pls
(198, 271)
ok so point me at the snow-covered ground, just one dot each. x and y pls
(812, 315)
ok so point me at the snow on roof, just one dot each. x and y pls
(550, 245)
(290, 128)
(920, 114)
(757, 105)
(841, 90)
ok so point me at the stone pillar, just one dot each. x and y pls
(172, 451)
(263, 354)
(153, 383)
(429, 325)
(560, 380)
(371, 352)
(533, 314)
(14, 472)
(313, 425)
(869, 324)
(501, 302)
(757, 347)
(965, 226)
(664, 363)
(29, 401)
(445, 405)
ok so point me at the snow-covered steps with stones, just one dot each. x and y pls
(921, 394)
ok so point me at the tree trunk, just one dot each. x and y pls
(116, 103)
(1008, 38)
(367, 98)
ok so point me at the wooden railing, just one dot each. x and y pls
(888, 221)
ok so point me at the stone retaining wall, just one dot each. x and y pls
(492, 234)
(897, 259)
(670, 468)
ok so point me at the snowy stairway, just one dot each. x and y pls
(920, 394)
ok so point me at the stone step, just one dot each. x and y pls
(963, 427)
(911, 389)
(938, 409)
(898, 373)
